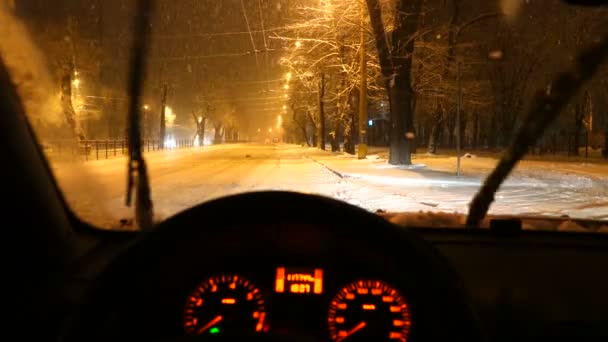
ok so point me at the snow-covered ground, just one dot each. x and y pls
(183, 178)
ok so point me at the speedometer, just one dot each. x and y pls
(369, 310)
(225, 305)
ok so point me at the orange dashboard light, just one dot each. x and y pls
(260, 325)
(299, 288)
(299, 280)
(228, 300)
(387, 299)
(398, 323)
(280, 280)
(362, 290)
(350, 296)
(395, 335)
(340, 319)
(369, 307)
(395, 308)
(376, 292)
(318, 287)
(341, 306)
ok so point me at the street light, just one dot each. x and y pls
(270, 130)
(76, 83)
(298, 44)
(286, 86)
(284, 107)
(146, 107)
(495, 54)
(288, 76)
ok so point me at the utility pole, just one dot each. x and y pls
(458, 105)
(362, 147)
(321, 126)
(163, 105)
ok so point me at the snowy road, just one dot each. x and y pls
(183, 178)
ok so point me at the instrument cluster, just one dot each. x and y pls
(233, 304)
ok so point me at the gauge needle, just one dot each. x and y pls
(209, 325)
(352, 331)
(260, 324)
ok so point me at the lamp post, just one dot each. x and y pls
(362, 147)
(458, 105)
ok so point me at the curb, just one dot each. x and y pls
(337, 173)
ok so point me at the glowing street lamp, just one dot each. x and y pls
(298, 44)
(284, 107)
(288, 76)
(76, 83)
(270, 130)
(286, 86)
(146, 107)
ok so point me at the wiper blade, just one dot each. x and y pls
(137, 176)
(545, 108)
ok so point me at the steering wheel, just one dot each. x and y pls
(271, 226)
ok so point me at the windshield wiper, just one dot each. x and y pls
(545, 108)
(137, 176)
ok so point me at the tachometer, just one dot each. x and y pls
(225, 305)
(369, 310)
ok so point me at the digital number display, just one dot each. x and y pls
(299, 280)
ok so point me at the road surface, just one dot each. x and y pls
(183, 178)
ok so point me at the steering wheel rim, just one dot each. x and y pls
(460, 321)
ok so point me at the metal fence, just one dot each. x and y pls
(105, 149)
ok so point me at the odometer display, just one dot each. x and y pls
(369, 310)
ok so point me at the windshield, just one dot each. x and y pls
(390, 105)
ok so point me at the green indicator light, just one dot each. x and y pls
(214, 331)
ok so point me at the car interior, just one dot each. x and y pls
(282, 266)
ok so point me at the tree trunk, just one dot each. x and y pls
(66, 103)
(163, 103)
(463, 126)
(492, 135)
(349, 138)
(605, 150)
(397, 71)
(451, 126)
(217, 133)
(201, 137)
(579, 115)
(434, 134)
(475, 139)
(321, 123)
(335, 134)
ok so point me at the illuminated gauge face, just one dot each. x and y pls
(225, 305)
(369, 310)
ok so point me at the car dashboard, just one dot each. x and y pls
(322, 304)
(257, 283)
(337, 273)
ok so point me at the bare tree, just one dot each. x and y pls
(323, 56)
